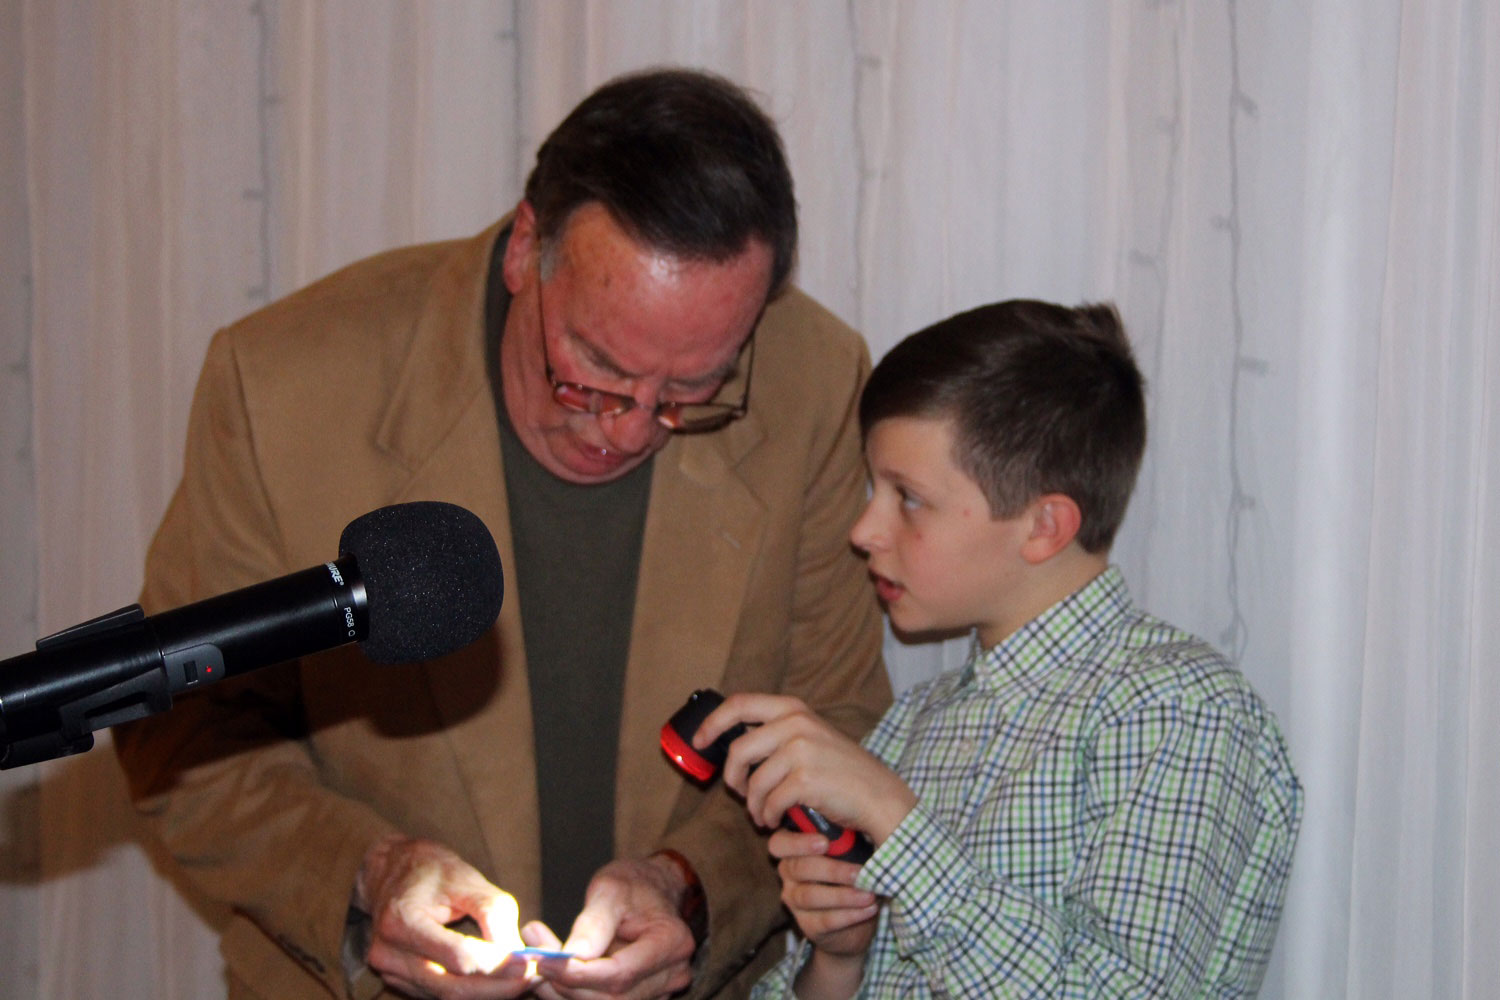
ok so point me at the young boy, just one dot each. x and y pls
(1097, 804)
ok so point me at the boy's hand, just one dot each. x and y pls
(819, 891)
(798, 758)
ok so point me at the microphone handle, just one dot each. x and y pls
(265, 623)
(125, 666)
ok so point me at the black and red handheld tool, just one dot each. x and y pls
(703, 766)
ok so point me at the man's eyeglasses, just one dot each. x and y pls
(680, 418)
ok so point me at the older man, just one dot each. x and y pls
(581, 376)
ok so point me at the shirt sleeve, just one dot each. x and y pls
(777, 983)
(1182, 845)
(885, 741)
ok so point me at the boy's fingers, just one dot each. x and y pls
(768, 779)
(753, 750)
(787, 844)
(734, 710)
(825, 922)
(809, 896)
(818, 869)
(750, 709)
(797, 786)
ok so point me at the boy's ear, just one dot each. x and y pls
(1055, 520)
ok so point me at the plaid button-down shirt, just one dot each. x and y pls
(1107, 809)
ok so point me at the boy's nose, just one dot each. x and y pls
(863, 535)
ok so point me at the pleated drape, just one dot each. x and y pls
(1297, 207)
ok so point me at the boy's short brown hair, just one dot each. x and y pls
(1044, 399)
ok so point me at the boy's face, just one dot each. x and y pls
(939, 560)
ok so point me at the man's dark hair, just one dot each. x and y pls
(684, 161)
(1043, 398)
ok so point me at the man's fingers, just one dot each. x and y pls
(460, 979)
(538, 935)
(629, 941)
(614, 978)
(498, 917)
(439, 927)
(595, 927)
(411, 972)
(400, 969)
(409, 927)
(413, 954)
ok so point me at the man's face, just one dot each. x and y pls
(939, 560)
(623, 318)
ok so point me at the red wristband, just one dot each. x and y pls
(693, 906)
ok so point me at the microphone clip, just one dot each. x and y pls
(67, 727)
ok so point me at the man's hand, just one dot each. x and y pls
(411, 888)
(799, 759)
(630, 942)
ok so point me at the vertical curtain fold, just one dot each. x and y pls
(1297, 208)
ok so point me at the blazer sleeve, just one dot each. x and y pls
(225, 779)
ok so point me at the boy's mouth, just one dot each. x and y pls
(888, 590)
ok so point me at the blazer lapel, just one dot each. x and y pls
(452, 453)
(703, 530)
(444, 363)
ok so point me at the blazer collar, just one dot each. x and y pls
(704, 530)
(444, 361)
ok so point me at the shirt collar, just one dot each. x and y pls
(1065, 632)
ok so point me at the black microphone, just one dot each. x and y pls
(413, 581)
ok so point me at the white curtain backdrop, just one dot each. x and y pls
(1296, 205)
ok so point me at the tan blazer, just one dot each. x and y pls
(368, 388)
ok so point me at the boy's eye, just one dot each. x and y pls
(909, 500)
